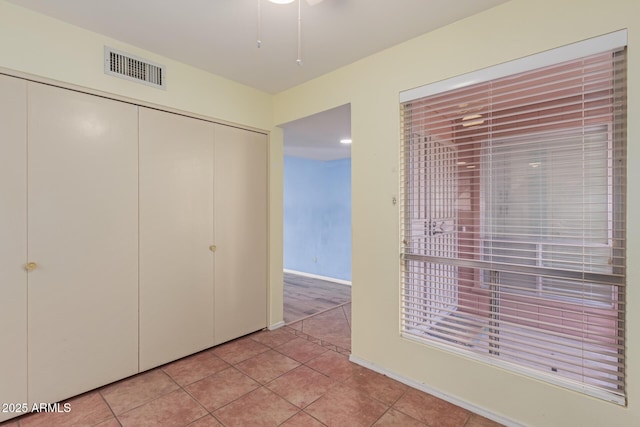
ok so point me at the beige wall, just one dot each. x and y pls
(45, 47)
(513, 30)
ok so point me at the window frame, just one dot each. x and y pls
(607, 43)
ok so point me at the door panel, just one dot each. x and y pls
(83, 235)
(241, 232)
(13, 241)
(176, 231)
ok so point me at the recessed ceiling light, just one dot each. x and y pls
(462, 163)
(345, 141)
(472, 120)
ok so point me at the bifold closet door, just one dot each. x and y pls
(176, 236)
(241, 232)
(13, 242)
(82, 241)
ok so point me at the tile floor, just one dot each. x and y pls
(298, 375)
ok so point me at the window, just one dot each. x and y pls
(513, 216)
(545, 209)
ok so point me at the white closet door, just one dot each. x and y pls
(83, 235)
(176, 231)
(241, 232)
(13, 242)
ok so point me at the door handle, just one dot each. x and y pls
(213, 248)
(30, 266)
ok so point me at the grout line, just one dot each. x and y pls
(319, 312)
(239, 397)
(137, 376)
(313, 416)
(346, 316)
(108, 406)
(291, 417)
(382, 415)
(324, 344)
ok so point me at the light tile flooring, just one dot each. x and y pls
(298, 375)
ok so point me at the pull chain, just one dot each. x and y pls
(299, 60)
(259, 38)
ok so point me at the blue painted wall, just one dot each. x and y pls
(317, 216)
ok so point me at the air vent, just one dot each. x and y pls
(133, 68)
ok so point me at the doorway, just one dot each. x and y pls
(317, 214)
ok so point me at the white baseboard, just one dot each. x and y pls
(315, 276)
(437, 393)
(275, 326)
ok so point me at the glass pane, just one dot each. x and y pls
(549, 203)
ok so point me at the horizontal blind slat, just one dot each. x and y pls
(513, 228)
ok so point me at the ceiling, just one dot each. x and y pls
(318, 136)
(220, 36)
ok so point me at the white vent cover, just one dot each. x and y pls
(130, 67)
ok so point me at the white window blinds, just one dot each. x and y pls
(513, 221)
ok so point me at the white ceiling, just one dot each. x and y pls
(220, 35)
(318, 136)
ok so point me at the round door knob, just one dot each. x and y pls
(31, 266)
(212, 248)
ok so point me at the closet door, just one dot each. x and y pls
(13, 242)
(176, 232)
(241, 232)
(83, 237)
